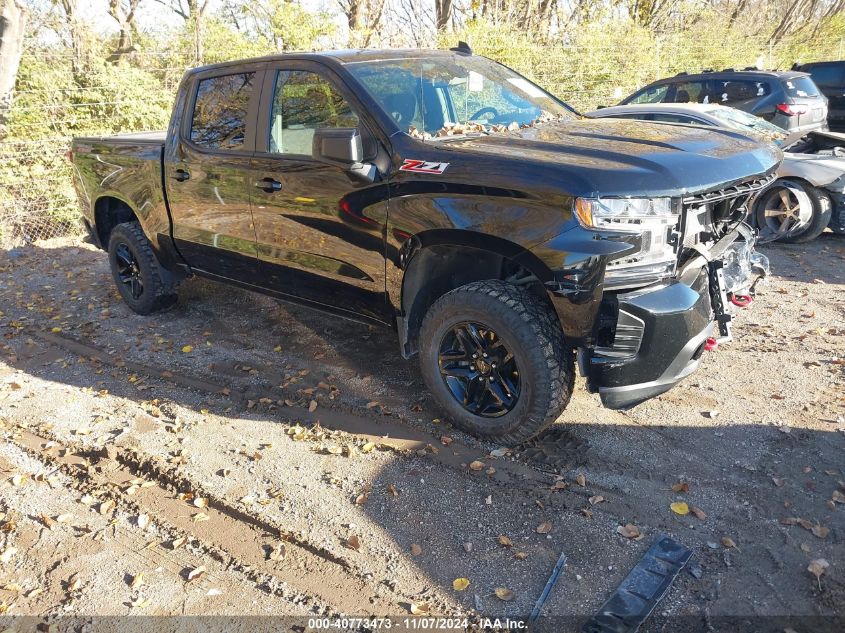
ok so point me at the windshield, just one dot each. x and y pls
(443, 96)
(743, 122)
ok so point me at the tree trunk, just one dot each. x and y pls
(443, 13)
(12, 23)
(124, 15)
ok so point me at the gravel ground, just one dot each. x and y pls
(330, 484)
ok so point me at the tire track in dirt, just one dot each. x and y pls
(392, 434)
(240, 543)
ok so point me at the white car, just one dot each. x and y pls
(809, 193)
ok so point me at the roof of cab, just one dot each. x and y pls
(339, 56)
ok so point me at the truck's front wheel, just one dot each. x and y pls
(494, 356)
(145, 286)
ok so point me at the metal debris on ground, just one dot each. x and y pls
(646, 584)
(550, 583)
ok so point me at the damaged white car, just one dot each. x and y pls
(809, 192)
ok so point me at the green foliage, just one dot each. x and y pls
(601, 61)
(63, 93)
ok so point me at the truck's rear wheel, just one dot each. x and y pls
(495, 358)
(145, 286)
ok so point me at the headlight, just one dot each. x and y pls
(648, 224)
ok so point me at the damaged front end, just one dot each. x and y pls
(649, 338)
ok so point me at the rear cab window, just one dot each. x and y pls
(800, 87)
(219, 117)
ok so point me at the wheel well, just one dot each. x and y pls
(108, 213)
(436, 270)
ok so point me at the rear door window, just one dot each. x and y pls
(655, 94)
(692, 92)
(800, 87)
(220, 111)
(737, 91)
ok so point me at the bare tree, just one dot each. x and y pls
(12, 24)
(76, 30)
(442, 14)
(123, 12)
(193, 12)
(363, 17)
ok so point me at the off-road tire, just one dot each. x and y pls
(531, 331)
(159, 284)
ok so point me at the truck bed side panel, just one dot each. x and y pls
(127, 168)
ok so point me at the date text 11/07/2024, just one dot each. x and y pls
(416, 623)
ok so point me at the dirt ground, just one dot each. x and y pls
(238, 456)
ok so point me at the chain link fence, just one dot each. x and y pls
(37, 199)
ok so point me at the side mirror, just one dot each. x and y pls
(341, 146)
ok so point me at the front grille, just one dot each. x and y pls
(710, 215)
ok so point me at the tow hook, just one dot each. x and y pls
(741, 301)
(710, 344)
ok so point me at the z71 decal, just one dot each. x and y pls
(423, 167)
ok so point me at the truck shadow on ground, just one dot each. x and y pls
(746, 477)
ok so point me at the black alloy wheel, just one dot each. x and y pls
(128, 270)
(479, 370)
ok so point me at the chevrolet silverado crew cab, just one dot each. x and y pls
(445, 195)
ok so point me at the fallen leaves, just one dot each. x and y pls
(416, 550)
(698, 513)
(680, 487)
(196, 572)
(504, 541)
(504, 594)
(581, 480)
(476, 465)
(277, 552)
(460, 584)
(544, 528)
(353, 542)
(595, 499)
(629, 530)
(419, 609)
(728, 542)
(187, 349)
(818, 567)
(680, 508)
(818, 530)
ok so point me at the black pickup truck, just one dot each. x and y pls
(446, 196)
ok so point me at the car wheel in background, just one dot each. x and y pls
(792, 211)
(494, 356)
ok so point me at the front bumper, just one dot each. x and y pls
(676, 320)
(659, 333)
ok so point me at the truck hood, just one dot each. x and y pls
(612, 157)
